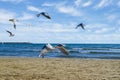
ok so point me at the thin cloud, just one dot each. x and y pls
(103, 30)
(16, 1)
(69, 10)
(101, 38)
(86, 4)
(63, 8)
(33, 8)
(55, 27)
(48, 4)
(60, 30)
(111, 17)
(5, 15)
(26, 16)
(103, 3)
(77, 2)
(118, 3)
(118, 22)
(100, 28)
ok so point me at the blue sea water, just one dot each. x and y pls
(93, 51)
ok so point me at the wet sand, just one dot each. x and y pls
(58, 69)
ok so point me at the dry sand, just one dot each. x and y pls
(58, 69)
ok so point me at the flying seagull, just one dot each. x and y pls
(44, 14)
(11, 34)
(49, 47)
(13, 21)
(80, 25)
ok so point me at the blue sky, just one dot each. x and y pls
(101, 18)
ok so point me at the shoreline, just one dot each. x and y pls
(58, 69)
(81, 58)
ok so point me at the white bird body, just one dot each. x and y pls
(50, 46)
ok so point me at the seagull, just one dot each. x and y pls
(49, 47)
(80, 25)
(11, 34)
(13, 20)
(44, 14)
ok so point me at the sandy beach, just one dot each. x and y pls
(58, 69)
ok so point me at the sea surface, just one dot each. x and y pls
(93, 51)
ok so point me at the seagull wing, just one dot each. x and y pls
(11, 34)
(45, 49)
(47, 16)
(14, 25)
(62, 49)
(82, 26)
(43, 52)
(76, 26)
(11, 20)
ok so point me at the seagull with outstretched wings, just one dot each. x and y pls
(80, 25)
(49, 47)
(44, 14)
(14, 22)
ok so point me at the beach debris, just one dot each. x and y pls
(44, 14)
(80, 25)
(13, 21)
(11, 34)
(49, 47)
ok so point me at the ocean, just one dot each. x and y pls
(92, 51)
